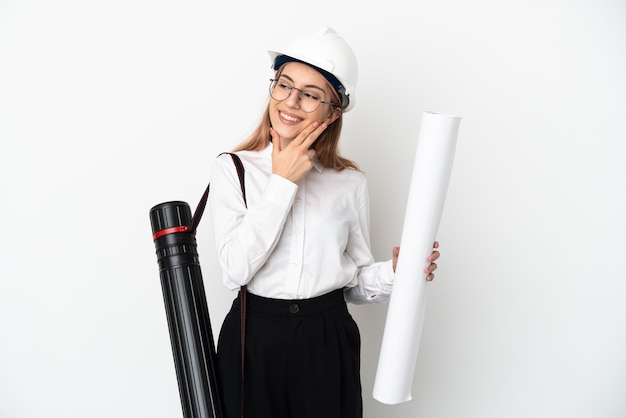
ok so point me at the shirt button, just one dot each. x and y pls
(294, 308)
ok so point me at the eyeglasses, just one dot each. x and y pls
(309, 99)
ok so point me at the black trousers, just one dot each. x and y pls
(302, 359)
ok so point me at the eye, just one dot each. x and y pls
(284, 86)
(309, 95)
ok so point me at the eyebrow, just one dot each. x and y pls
(307, 86)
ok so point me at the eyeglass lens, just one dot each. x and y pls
(309, 99)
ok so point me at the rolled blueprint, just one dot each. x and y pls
(405, 316)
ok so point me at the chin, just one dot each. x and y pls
(286, 134)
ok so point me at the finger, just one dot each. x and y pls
(394, 256)
(275, 140)
(432, 267)
(302, 137)
(430, 277)
(429, 270)
(276, 149)
(312, 137)
(310, 134)
(433, 256)
(436, 244)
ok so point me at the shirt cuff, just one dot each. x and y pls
(388, 276)
(279, 189)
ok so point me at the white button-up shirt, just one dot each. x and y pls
(295, 241)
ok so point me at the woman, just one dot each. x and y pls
(299, 243)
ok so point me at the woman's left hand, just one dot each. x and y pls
(431, 258)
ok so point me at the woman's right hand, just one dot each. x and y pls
(293, 160)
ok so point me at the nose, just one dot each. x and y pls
(293, 100)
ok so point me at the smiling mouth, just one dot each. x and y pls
(289, 118)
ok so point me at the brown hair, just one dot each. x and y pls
(326, 146)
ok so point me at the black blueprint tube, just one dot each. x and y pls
(186, 309)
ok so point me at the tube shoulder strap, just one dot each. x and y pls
(203, 200)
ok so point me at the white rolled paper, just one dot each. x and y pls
(405, 316)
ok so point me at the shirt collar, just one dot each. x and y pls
(317, 164)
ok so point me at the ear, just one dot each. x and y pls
(334, 114)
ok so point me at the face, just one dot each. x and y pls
(287, 116)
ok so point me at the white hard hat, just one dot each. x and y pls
(326, 51)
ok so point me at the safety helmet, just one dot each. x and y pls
(328, 53)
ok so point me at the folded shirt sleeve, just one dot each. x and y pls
(245, 237)
(374, 285)
(374, 280)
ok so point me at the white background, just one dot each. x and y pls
(108, 108)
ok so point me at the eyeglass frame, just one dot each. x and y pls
(300, 92)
